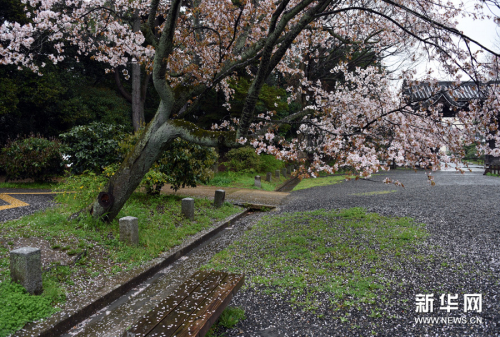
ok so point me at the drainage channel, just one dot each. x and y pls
(115, 318)
(288, 185)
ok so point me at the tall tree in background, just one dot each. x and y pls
(137, 97)
(190, 50)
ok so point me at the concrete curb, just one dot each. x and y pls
(60, 322)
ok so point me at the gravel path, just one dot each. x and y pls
(462, 214)
(36, 202)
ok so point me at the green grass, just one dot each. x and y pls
(305, 255)
(19, 307)
(161, 227)
(28, 185)
(492, 174)
(228, 319)
(245, 180)
(321, 181)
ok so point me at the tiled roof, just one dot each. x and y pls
(453, 94)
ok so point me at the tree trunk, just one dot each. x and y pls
(137, 102)
(124, 182)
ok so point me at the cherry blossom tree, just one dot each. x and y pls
(192, 47)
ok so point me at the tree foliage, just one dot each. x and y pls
(349, 113)
(53, 103)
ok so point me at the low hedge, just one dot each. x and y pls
(33, 157)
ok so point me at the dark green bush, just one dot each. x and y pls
(92, 147)
(186, 164)
(243, 159)
(471, 153)
(182, 164)
(32, 158)
(269, 163)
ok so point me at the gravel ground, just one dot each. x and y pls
(36, 202)
(462, 214)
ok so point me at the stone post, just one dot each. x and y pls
(129, 230)
(220, 195)
(26, 269)
(215, 167)
(289, 170)
(277, 174)
(268, 176)
(187, 208)
(284, 172)
(257, 182)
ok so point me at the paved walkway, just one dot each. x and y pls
(15, 203)
(236, 195)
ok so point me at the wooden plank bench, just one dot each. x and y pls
(192, 308)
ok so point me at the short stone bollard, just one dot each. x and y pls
(277, 173)
(268, 176)
(220, 195)
(257, 182)
(289, 170)
(26, 269)
(284, 172)
(129, 230)
(187, 208)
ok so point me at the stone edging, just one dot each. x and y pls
(62, 322)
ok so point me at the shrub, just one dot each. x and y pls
(269, 163)
(243, 159)
(34, 157)
(471, 153)
(186, 164)
(182, 164)
(92, 147)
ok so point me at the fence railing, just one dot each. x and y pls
(495, 169)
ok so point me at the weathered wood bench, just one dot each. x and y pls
(192, 308)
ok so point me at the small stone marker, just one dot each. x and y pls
(220, 195)
(284, 172)
(129, 230)
(289, 170)
(257, 182)
(187, 208)
(277, 173)
(26, 269)
(268, 176)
